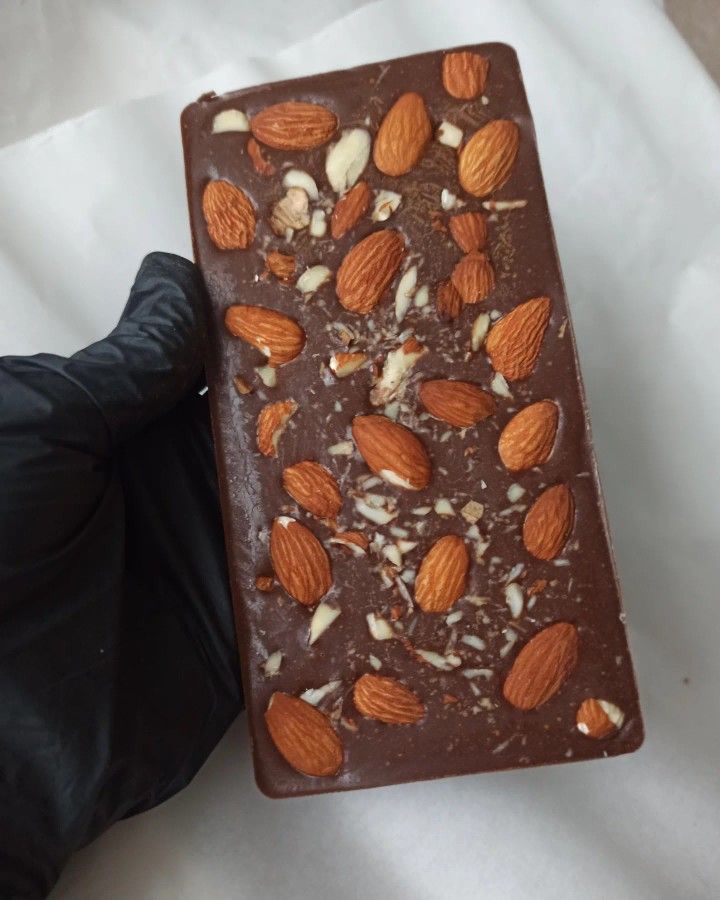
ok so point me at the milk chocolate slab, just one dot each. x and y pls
(421, 569)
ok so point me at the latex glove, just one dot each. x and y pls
(118, 661)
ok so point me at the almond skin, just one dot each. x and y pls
(392, 451)
(469, 231)
(548, 522)
(271, 423)
(294, 125)
(473, 277)
(403, 135)
(300, 562)
(304, 736)
(278, 336)
(314, 488)
(387, 700)
(261, 165)
(367, 270)
(229, 216)
(464, 74)
(282, 265)
(486, 161)
(442, 575)
(528, 438)
(449, 302)
(349, 209)
(458, 403)
(598, 718)
(514, 342)
(542, 666)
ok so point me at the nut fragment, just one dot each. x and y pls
(395, 372)
(282, 265)
(528, 438)
(291, 213)
(313, 279)
(542, 666)
(303, 736)
(241, 386)
(314, 488)
(402, 136)
(487, 159)
(349, 210)
(386, 202)
(301, 179)
(379, 629)
(599, 718)
(354, 541)
(473, 277)
(261, 165)
(318, 224)
(230, 120)
(346, 160)
(294, 125)
(449, 135)
(322, 619)
(392, 451)
(229, 215)
(442, 575)
(264, 583)
(344, 364)
(464, 74)
(300, 561)
(387, 700)
(479, 330)
(404, 293)
(548, 522)
(459, 403)
(271, 423)
(272, 664)
(268, 375)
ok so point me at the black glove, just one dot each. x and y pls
(118, 662)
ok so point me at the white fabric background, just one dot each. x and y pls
(629, 132)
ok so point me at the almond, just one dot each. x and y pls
(442, 575)
(261, 165)
(528, 438)
(542, 666)
(344, 364)
(392, 451)
(458, 403)
(367, 270)
(464, 74)
(294, 125)
(349, 210)
(486, 161)
(387, 700)
(282, 265)
(276, 335)
(548, 522)
(229, 216)
(449, 302)
(514, 341)
(469, 231)
(402, 136)
(303, 735)
(598, 718)
(271, 423)
(314, 488)
(300, 561)
(473, 277)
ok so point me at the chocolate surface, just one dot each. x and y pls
(468, 725)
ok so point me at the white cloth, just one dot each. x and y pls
(629, 131)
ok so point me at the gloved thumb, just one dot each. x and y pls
(153, 357)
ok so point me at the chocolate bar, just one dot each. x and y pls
(422, 576)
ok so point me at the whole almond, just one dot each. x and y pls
(349, 209)
(458, 403)
(598, 718)
(464, 74)
(367, 270)
(542, 666)
(473, 277)
(469, 231)
(276, 335)
(403, 135)
(229, 215)
(392, 451)
(314, 488)
(514, 341)
(304, 736)
(282, 265)
(442, 575)
(261, 165)
(294, 125)
(449, 302)
(528, 438)
(387, 700)
(271, 423)
(548, 522)
(299, 560)
(487, 159)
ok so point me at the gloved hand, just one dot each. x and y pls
(118, 662)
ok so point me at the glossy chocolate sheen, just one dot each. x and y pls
(468, 726)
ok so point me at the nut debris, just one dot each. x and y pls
(268, 375)
(344, 364)
(395, 372)
(346, 160)
(404, 293)
(354, 541)
(599, 718)
(442, 575)
(403, 135)
(301, 564)
(387, 700)
(313, 279)
(314, 488)
(528, 438)
(303, 736)
(386, 203)
(261, 165)
(449, 135)
(272, 664)
(229, 215)
(230, 120)
(291, 213)
(300, 179)
(379, 628)
(322, 619)
(271, 424)
(542, 666)
(548, 522)
(264, 583)
(315, 696)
